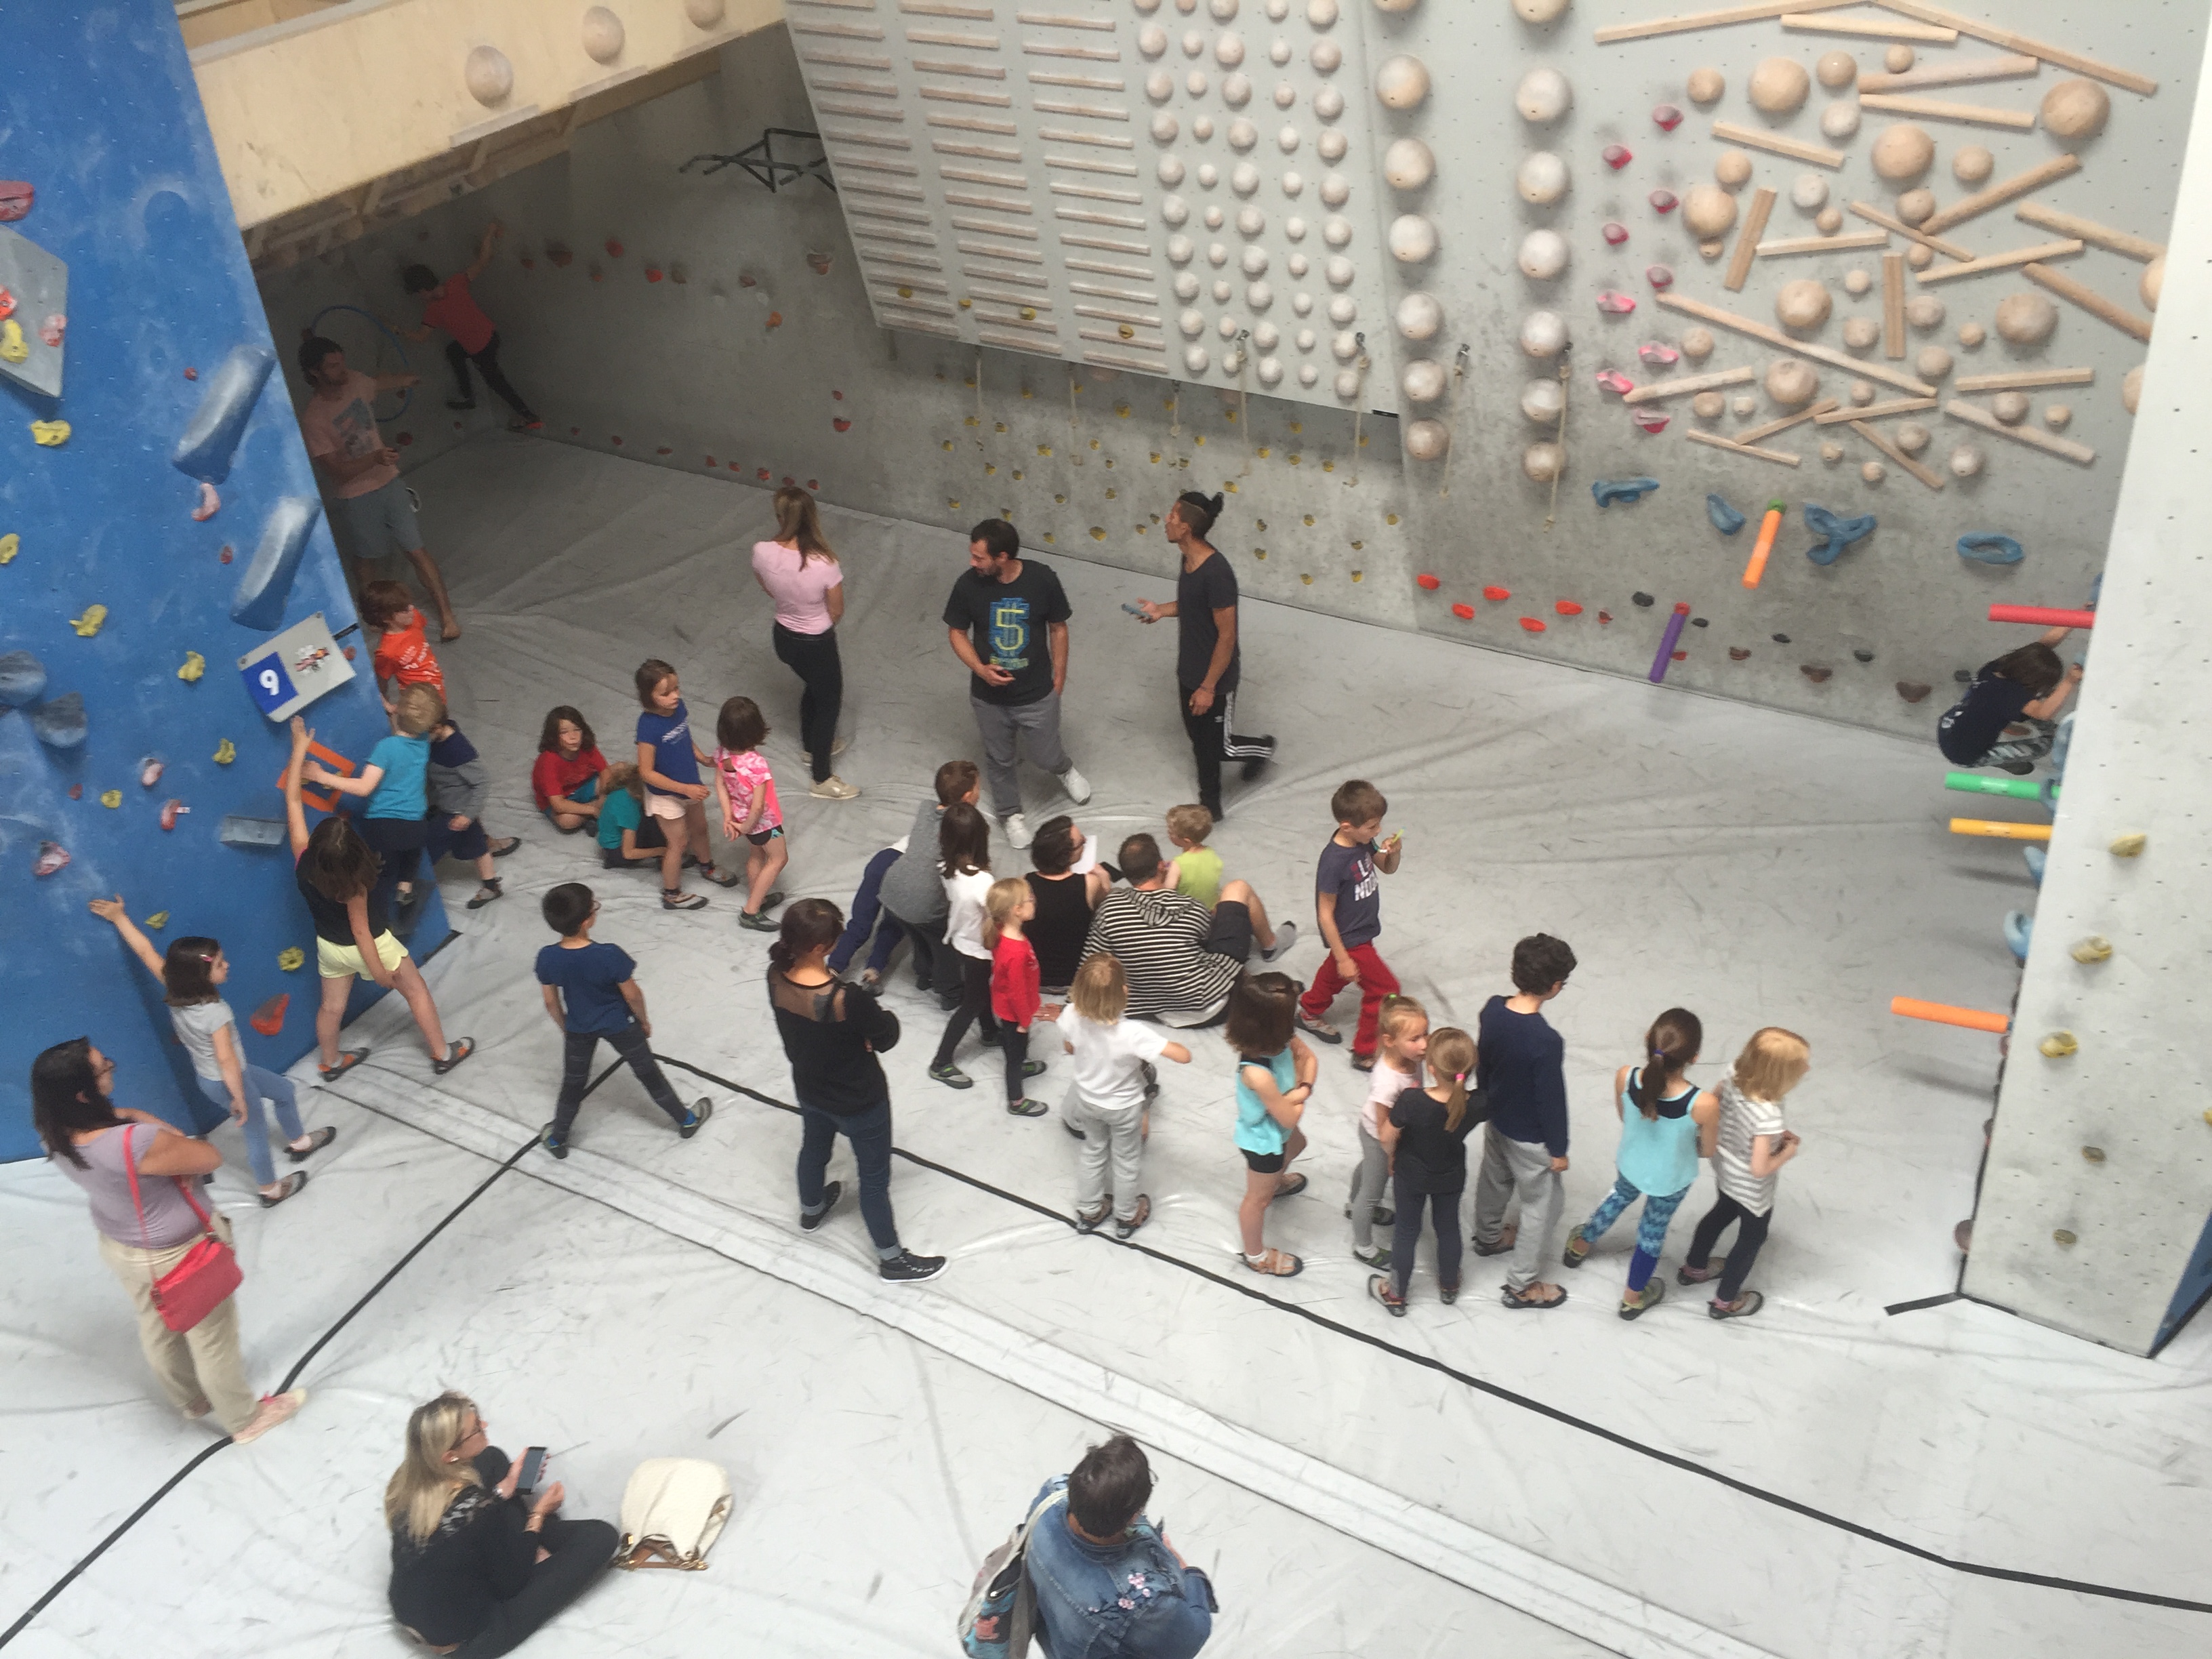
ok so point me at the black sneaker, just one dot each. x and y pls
(993, 1037)
(2019, 769)
(1259, 763)
(908, 1268)
(830, 1194)
(552, 1143)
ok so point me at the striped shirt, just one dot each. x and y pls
(1743, 1120)
(1159, 938)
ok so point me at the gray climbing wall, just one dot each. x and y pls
(2100, 1174)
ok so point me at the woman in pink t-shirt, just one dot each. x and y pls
(802, 575)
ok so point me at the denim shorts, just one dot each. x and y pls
(380, 523)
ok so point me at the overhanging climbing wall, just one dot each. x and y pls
(1114, 183)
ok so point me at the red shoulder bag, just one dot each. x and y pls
(198, 1285)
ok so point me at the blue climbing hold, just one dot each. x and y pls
(238, 829)
(22, 679)
(2019, 931)
(2095, 588)
(2062, 739)
(267, 582)
(1606, 491)
(60, 723)
(1988, 547)
(2034, 857)
(210, 437)
(1841, 533)
(1726, 519)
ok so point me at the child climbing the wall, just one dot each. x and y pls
(2031, 684)
(1425, 1131)
(668, 761)
(1015, 1000)
(458, 788)
(565, 778)
(336, 873)
(1275, 1073)
(1667, 1124)
(1522, 1074)
(403, 655)
(395, 783)
(1196, 868)
(1112, 1058)
(192, 974)
(450, 305)
(628, 836)
(1401, 1040)
(744, 791)
(1348, 903)
(1753, 1144)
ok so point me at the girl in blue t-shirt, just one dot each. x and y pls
(1275, 1072)
(394, 781)
(668, 760)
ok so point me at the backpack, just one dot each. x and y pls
(673, 1511)
(1000, 1616)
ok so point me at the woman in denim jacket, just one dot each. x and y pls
(1108, 1585)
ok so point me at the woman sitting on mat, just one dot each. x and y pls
(477, 1565)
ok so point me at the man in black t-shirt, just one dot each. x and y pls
(1206, 661)
(1008, 620)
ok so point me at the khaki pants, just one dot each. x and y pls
(202, 1364)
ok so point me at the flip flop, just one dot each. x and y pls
(347, 1061)
(456, 1052)
(1289, 1188)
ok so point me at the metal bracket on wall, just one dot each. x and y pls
(761, 161)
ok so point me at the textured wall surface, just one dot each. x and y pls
(2100, 1174)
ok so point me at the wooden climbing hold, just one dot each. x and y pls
(2001, 829)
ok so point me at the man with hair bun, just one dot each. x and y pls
(1207, 665)
(1108, 1585)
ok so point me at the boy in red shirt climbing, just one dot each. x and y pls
(450, 305)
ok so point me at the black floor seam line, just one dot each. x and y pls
(1499, 1392)
(290, 1377)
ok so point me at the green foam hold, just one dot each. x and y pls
(1974, 783)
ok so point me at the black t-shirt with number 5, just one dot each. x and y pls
(1199, 594)
(1007, 623)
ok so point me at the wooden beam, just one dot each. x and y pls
(1789, 244)
(2019, 256)
(1696, 20)
(1711, 441)
(1974, 414)
(1810, 412)
(2024, 379)
(1775, 337)
(2069, 224)
(1729, 132)
(1746, 241)
(1932, 480)
(2066, 288)
(1893, 305)
(1874, 215)
(2022, 44)
(1878, 412)
(1690, 383)
(1878, 29)
(1966, 72)
(1997, 195)
(1938, 109)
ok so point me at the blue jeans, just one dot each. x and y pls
(870, 1131)
(260, 1086)
(867, 908)
(1651, 1228)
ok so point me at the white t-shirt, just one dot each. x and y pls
(1744, 1119)
(1384, 1085)
(1109, 1058)
(963, 920)
(196, 1025)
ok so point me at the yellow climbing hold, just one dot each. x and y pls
(988, 469)
(89, 624)
(966, 305)
(1017, 475)
(1044, 449)
(1264, 452)
(1125, 332)
(1062, 499)
(948, 443)
(1094, 444)
(1328, 466)
(1098, 532)
(1259, 552)
(225, 752)
(974, 420)
(1363, 441)
(1308, 580)
(1258, 524)
(11, 545)
(1356, 574)
(1229, 484)
(1121, 411)
(1112, 494)
(998, 425)
(1156, 458)
(1298, 426)
(13, 346)
(1390, 518)
(50, 434)
(1048, 536)
(905, 292)
(2058, 1045)
(1200, 439)
(110, 798)
(1356, 546)
(2130, 845)
(158, 921)
(291, 958)
(951, 503)
(1295, 459)
(194, 666)
(1228, 414)
(2095, 948)
(1308, 518)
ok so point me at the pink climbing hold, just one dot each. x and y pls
(1429, 582)
(1664, 201)
(16, 196)
(1612, 379)
(1464, 613)
(211, 503)
(1615, 232)
(52, 330)
(192, 374)
(1656, 352)
(1651, 420)
(1666, 117)
(1615, 303)
(1617, 156)
(53, 856)
(225, 557)
(171, 810)
(1660, 276)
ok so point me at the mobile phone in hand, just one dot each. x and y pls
(533, 1465)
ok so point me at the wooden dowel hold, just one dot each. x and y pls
(1795, 148)
(1933, 481)
(1746, 241)
(1876, 28)
(1716, 442)
(1874, 215)
(1959, 74)
(1811, 413)
(1975, 415)
(2066, 288)
(1789, 244)
(1877, 412)
(2019, 256)
(2022, 44)
(1937, 109)
(2024, 379)
(1775, 337)
(1997, 195)
(2069, 224)
(1696, 20)
(1688, 383)
(1893, 305)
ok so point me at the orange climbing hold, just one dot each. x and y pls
(1464, 613)
(841, 424)
(653, 273)
(1428, 581)
(269, 1018)
(1534, 624)
(1568, 608)
(775, 320)
(763, 475)
(614, 248)
(1498, 595)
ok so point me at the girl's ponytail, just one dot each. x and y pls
(1451, 1059)
(1669, 1046)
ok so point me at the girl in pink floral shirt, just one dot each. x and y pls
(746, 790)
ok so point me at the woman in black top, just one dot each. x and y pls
(1425, 1134)
(1064, 902)
(476, 1566)
(832, 1033)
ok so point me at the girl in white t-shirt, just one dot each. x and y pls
(1752, 1145)
(963, 846)
(1113, 1086)
(802, 575)
(192, 974)
(1402, 1039)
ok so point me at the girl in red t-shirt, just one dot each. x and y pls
(566, 779)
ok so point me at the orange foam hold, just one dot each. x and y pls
(1943, 1013)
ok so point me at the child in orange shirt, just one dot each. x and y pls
(403, 655)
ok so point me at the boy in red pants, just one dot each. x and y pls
(1348, 904)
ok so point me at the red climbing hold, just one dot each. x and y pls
(225, 556)
(574, 430)
(1605, 615)
(1432, 583)
(763, 475)
(745, 280)
(16, 196)
(1663, 200)
(1651, 420)
(1682, 656)
(1660, 276)
(1534, 624)
(559, 255)
(740, 466)
(1617, 304)
(1615, 233)
(775, 320)
(76, 792)
(839, 396)
(349, 653)
(841, 424)
(406, 439)
(1498, 595)
(811, 483)
(653, 273)
(1464, 613)
(529, 263)
(1568, 608)
(1666, 117)
(269, 1018)
(710, 460)
(1617, 156)
(597, 276)
(614, 248)
(192, 374)
(618, 443)
(662, 450)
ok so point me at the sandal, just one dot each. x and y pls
(1687, 1275)
(317, 1139)
(1090, 1221)
(1122, 1229)
(285, 1189)
(1505, 1240)
(1379, 1288)
(486, 894)
(1637, 1303)
(1289, 1188)
(675, 899)
(500, 849)
(347, 1061)
(1514, 1298)
(1744, 1306)
(718, 876)
(1270, 1263)
(455, 1054)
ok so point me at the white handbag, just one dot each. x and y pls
(673, 1511)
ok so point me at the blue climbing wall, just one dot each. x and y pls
(100, 115)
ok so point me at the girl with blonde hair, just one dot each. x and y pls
(1425, 1134)
(1752, 1145)
(1114, 1057)
(798, 571)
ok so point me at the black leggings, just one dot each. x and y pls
(975, 1004)
(1016, 1041)
(579, 1551)
(1750, 1236)
(813, 657)
(487, 361)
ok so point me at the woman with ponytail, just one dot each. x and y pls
(1667, 1124)
(832, 1033)
(797, 570)
(1426, 1136)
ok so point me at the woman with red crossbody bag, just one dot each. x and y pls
(169, 1249)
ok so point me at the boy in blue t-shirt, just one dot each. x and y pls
(596, 984)
(1348, 904)
(394, 781)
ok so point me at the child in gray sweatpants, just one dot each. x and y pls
(1115, 1083)
(1401, 1039)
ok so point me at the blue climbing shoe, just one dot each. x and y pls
(1726, 519)
(1840, 531)
(1988, 547)
(1606, 491)
(2019, 929)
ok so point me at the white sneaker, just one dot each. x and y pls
(1286, 934)
(1017, 829)
(1078, 787)
(833, 787)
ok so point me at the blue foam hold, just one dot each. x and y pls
(210, 437)
(22, 679)
(1840, 531)
(267, 582)
(1606, 491)
(1726, 519)
(2019, 931)
(61, 723)
(2034, 857)
(1988, 547)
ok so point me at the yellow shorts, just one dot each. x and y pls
(338, 961)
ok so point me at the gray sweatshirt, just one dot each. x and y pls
(912, 889)
(456, 778)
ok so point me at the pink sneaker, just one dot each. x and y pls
(275, 1408)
